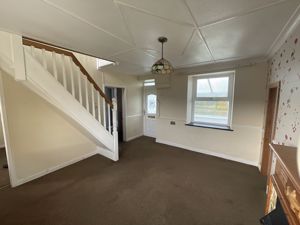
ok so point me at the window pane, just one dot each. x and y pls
(150, 82)
(213, 112)
(213, 87)
(151, 104)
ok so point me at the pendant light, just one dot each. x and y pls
(162, 66)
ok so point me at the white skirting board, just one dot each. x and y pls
(207, 152)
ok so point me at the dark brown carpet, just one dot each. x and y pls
(4, 177)
(152, 184)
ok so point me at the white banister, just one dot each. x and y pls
(87, 104)
(72, 76)
(104, 114)
(44, 60)
(54, 67)
(108, 117)
(115, 130)
(93, 100)
(99, 108)
(64, 71)
(32, 49)
(79, 85)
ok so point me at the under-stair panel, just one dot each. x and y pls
(43, 83)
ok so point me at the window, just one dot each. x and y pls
(211, 99)
(151, 104)
(148, 83)
(101, 63)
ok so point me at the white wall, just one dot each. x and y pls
(40, 139)
(243, 144)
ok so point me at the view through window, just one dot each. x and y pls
(212, 98)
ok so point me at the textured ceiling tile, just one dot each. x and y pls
(138, 57)
(170, 9)
(103, 14)
(39, 20)
(250, 35)
(146, 29)
(208, 11)
(195, 52)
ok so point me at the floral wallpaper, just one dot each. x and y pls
(285, 67)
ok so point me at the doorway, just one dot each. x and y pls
(118, 93)
(4, 173)
(150, 108)
(270, 124)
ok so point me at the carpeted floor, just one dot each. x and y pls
(152, 184)
(4, 177)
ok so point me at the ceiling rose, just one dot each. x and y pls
(162, 66)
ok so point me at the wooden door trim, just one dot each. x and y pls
(266, 156)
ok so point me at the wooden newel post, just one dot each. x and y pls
(115, 130)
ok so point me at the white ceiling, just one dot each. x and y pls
(199, 31)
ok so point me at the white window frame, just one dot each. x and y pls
(229, 98)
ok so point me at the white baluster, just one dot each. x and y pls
(99, 110)
(72, 76)
(44, 60)
(64, 71)
(54, 67)
(109, 122)
(32, 51)
(79, 85)
(87, 94)
(104, 113)
(93, 100)
(115, 130)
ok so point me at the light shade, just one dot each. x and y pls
(162, 66)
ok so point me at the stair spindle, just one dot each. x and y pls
(79, 85)
(109, 122)
(32, 49)
(64, 71)
(87, 95)
(54, 66)
(44, 59)
(72, 76)
(93, 100)
(104, 114)
(99, 110)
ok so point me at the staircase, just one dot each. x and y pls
(57, 76)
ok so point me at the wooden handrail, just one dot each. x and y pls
(61, 51)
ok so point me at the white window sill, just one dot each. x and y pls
(210, 126)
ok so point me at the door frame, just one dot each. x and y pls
(124, 106)
(269, 128)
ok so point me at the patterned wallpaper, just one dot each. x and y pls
(285, 67)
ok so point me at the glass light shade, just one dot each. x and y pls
(162, 66)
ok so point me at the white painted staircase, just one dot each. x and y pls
(58, 77)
